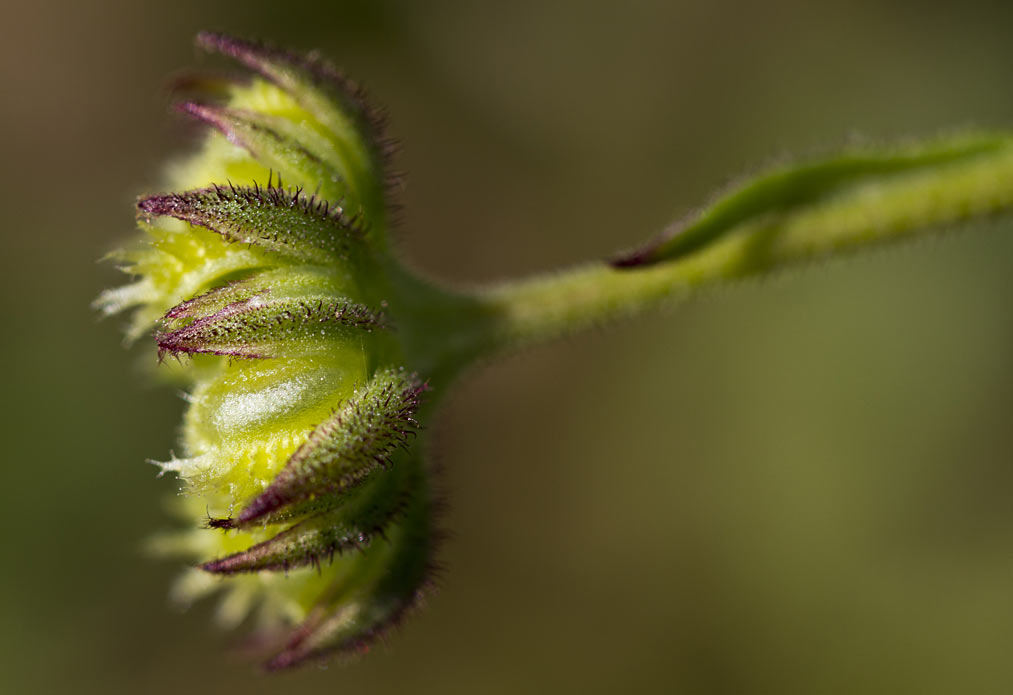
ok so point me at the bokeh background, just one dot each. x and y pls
(795, 485)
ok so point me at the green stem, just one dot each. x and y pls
(783, 219)
(866, 211)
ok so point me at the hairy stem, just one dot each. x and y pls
(774, 231)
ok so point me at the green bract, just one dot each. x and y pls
(311, 355)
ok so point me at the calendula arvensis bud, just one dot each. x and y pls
(311, 356)
(264, 269)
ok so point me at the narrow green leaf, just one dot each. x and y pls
(793, 188)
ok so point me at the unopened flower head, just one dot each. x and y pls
(263, 272)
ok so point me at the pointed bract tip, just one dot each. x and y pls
(218, 117)
(232, 46)
(634, 259)
(261, 506)
(202, 112)
(157, 205)
(226, 565)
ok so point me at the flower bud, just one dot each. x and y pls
(299, 438)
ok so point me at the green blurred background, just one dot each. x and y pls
(795, 485)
